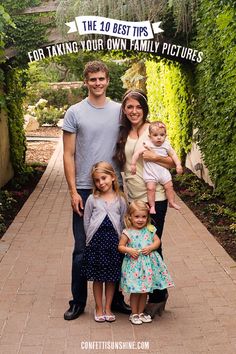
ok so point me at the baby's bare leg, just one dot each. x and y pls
(170, 195)
(151, 192)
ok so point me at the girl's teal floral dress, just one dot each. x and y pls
(146, 273)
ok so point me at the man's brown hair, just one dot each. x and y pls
(94, 67)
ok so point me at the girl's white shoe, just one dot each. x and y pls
(145, 318)
(134, 319)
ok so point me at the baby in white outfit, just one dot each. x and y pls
(154, 173)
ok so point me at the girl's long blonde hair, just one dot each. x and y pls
(105, 167)
(136, 205)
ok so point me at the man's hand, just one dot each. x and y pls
(77, 203)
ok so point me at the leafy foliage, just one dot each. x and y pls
(15, 7)
(50, 115)
(47, 114)
(73, 64)
(169, 99)
(135, 76)
(14, 194)
(28, 35)
(115, 89)
(57, 98)
(6, 203)
(214, 79)
(5, 22)
(14, 103)
(212, 209)
(215, 90)
(184, 12)
(25, 32)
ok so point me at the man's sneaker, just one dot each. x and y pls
(134, 319)
(145, 318)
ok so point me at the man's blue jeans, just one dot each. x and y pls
(79, 283)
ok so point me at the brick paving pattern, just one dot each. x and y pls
(35, 266)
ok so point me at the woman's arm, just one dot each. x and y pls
(155, 245)
(135, 159)
(151, 156)
(124, 249)
(123, 209)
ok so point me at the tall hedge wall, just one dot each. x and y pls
(215, 89)
(14, 104)
(169, 99)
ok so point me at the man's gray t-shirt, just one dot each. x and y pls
(96, 132)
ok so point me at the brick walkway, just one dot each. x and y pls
(35, 265)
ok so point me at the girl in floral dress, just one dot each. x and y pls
(143, 269)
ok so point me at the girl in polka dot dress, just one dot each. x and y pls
(143, 269)
(103, 222)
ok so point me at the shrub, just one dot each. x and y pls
(6, 201)
(57, 98)
(49, 115)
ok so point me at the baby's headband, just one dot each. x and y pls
(132, 92)
(158, 124)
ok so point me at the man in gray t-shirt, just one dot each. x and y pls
(96, 130)
(90, 132)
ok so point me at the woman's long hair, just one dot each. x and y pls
(125, 125)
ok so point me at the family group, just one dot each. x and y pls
(117, 165)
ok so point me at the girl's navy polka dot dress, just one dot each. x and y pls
(102, 261)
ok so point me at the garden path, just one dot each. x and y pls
(35, 266)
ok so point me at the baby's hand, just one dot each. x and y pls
(146, 250)
(133, 169)
(179, 169)
(134, 253)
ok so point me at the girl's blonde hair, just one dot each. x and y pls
(136, 205)
(105, 167)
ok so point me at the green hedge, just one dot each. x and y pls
(14, 99)
(215, 90)
(169, 100)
